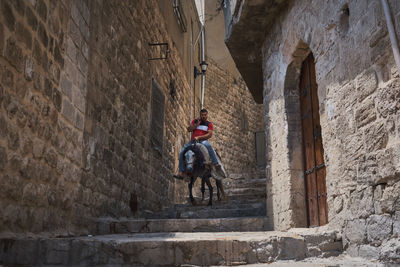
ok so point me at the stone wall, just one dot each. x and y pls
(358, 91)
(124, 173)
(75, 114)
(236, 118)
(37, 190)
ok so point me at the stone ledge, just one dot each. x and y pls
(109, 226)
(164, 248)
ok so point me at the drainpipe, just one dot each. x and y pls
(392, 34)
(203, 59)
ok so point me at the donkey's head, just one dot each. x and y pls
(189, 160)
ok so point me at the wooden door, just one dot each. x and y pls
(314, 166)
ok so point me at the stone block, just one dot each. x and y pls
(361, 203)
(355, 231)
(369, 252)
(71, 50)
(29, 68)
(70, 70)
(45, 61)
(57, 54)
(43, 36)
(14, 54)
(19, 6)
(68, 110)
(79, 122)
(366, 84)
(85, 50)
(75, 14)
(365, 113)
(57, 98)
(41, 9)
(78, 99)
(3, 126)
(24, 35)
(2, 94)
(48, 88)
(84, 28)
(376, 137)
(390, 251)
(54, 24)
(54, 72)
(1, 39)
(66, 86)
(75, 34)
(13, 138)
(396, 224)
(29, 194)
(31, 19)
(8, 15)
(82, 63)
(22, 117)
(3, 158)
(38, 148)
(81, 82)
(387, 100)
(379, 227)
(50, 157)
(85, 13)
(389, 202)
(37, 52)
(8, 79)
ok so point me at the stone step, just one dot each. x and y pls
(223, 213)
(256, 197)
(235, 205)
(122, 226)
(170, 249)
(210, 212)
(259, 191)
(236, 183)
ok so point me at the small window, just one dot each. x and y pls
(260, 149)
(180, 15)
(244, 124)
(157, 117)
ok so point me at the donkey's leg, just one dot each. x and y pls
(190, 185)
(203, 188)
(220, 188)
(210, 189)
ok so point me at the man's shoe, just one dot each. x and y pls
(218, 167)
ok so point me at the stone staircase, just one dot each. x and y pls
(231, 232)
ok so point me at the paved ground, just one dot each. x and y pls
(342, 260)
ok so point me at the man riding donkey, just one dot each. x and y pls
(202, 130)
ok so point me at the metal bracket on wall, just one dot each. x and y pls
(162, 56)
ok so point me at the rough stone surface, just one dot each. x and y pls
(236, 117)
(75, 111)
(161, 249)
(358, 95)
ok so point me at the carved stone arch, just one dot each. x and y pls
(294, 137)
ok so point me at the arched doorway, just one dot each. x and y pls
(313, 152)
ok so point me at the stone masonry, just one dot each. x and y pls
(236, 118)
(76, 114)
(358, 93)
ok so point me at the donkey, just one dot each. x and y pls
(195, 167)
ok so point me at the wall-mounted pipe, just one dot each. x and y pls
(392, 34)
(203, 59)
